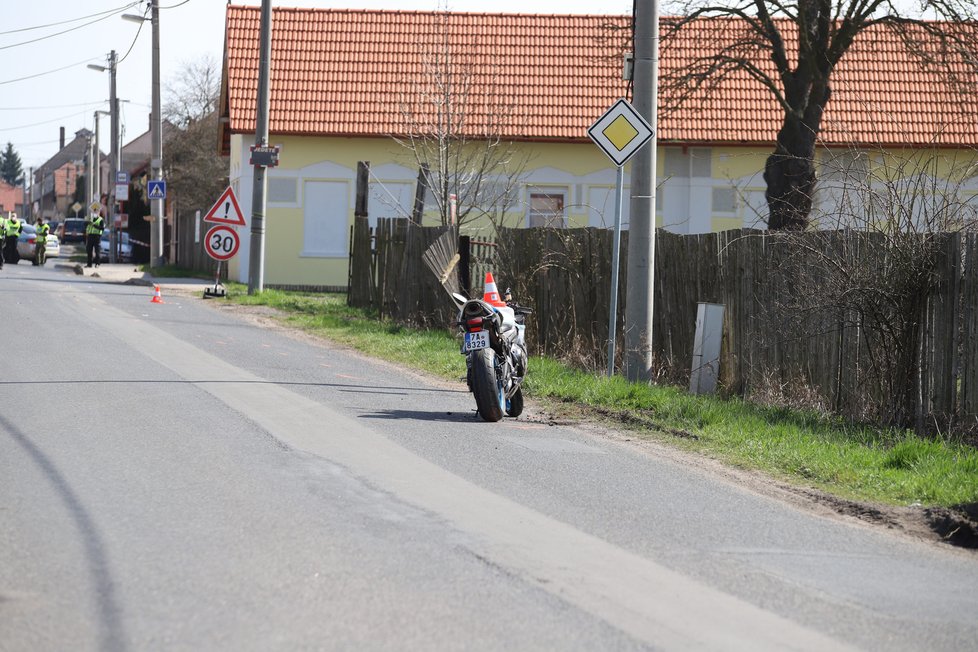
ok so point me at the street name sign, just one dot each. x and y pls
(621, 132)
(122, 186)
(264, 155)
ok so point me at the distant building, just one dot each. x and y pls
(54, 182)
(11, 199)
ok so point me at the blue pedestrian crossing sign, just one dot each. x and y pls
(156, 189)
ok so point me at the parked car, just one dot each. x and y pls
(73, 230)
(123, 252)
(26, 241)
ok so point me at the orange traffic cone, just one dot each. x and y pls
(157, 297)
(491, 295)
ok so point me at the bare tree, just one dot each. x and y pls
(453, 116)
(194, 168)
(804, 40)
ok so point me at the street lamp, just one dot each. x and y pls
(156, 161)
(114, 152)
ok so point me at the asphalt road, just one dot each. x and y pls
(174, 477)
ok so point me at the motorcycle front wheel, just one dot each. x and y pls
(514, 406)
(485, 387)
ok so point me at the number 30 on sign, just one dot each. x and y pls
(221, 242)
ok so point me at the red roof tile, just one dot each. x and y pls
(347, 73)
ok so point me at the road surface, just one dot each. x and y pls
(175, 477)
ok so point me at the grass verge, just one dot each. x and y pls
(803, 448)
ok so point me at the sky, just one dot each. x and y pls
(46, 46)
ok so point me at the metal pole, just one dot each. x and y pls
(640, 290)
(156, 162)
(26, 208)
(97, 185)
(256, 260)
(89, 168)
(114, 109)
(615, 253)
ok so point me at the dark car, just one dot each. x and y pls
(73, 230)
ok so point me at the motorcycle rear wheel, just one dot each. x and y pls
(485, 386)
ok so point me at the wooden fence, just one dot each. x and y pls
(189, 253)
(855, 322)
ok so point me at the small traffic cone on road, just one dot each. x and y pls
(157, 297)
(491, 294)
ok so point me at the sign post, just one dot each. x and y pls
(620, 133)
(221, 241)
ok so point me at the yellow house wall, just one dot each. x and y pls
(579, 171)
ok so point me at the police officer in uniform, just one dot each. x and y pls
(14, 227)
(3, 237)
(93, 239)
(40, 241)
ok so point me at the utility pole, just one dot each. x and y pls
(114, 128)
(156, 258)
(27, 212)
(114, 152)
(89, 170)
(256, 258)
(640, 291)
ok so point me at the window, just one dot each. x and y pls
(547, 210)
(686, 190)
(725, 200)
(325, 213)
(390, 199)
(282, 190)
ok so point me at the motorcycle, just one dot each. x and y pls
(494, 347)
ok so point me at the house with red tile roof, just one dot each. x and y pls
(11, 199)
(346, 86)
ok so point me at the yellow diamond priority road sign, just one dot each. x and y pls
(620, 132)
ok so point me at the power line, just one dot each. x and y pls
(133, 44)
(41, 74)
(38, 124)
(51, 106)
(97, 20)
(70, 20)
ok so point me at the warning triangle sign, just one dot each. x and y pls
(226, 210)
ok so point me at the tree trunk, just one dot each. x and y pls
(790, 176)
(790, 170)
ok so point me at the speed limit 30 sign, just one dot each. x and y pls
(221, 242)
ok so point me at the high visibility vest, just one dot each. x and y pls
(42, 233)
(14, 227)
(96, 226)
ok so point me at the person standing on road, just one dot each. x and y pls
(41, 241)
(14, 227)
(3, 237)
(93, 239)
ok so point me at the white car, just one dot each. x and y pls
(26, 244)
(123, 249)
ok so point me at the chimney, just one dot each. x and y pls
(62, 139)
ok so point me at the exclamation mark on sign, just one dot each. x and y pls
(227, 207)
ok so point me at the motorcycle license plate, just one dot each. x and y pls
(475, 341)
